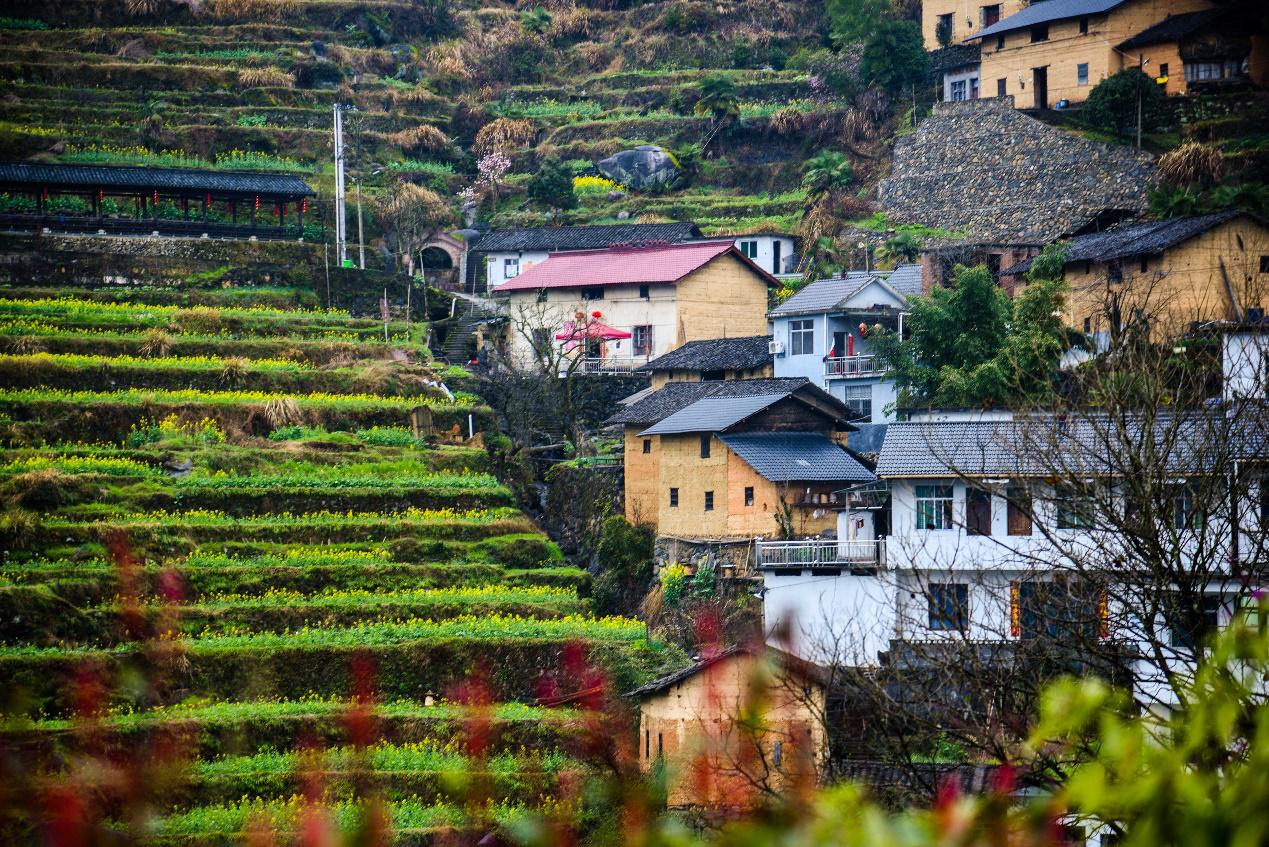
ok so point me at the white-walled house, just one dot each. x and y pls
(504, 254)
(979, 545)
(1245, 361)
(821, 333)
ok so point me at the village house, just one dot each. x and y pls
(947, 22)
(619, 308)
(736, 459)
(1057, 51)
(747, 357)
(506, 253)
(693, 724)
(1207, 51)
(822, 333)
(975, 535)
(1166, 274)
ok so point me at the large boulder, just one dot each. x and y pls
(645, 167)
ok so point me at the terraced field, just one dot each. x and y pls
(234, 573)
(236, 84)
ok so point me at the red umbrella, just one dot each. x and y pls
(594, 331)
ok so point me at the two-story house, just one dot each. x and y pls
(822, 333)
(737, 459)
(1057, 51)
(621, 307)
(945, 22)
(506, 253)
(1166, 275)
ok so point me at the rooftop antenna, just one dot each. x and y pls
(341, 236)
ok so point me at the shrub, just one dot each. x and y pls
(673, 582)
(422, 137)
(265, 78)
(894, 56)
(172, 428)
(590, 186)
(387, 436)
(1112, 104)
(504, 134)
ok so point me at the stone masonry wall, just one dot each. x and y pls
(985, 169)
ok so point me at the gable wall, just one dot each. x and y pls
(724, 299)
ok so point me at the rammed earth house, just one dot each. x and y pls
(621, 307)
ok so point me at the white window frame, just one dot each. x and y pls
(934, 505)
(511, 268)
(801, 337)
(853, 406)
(749, 248)
(1081, 73)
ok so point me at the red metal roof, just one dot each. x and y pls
(635, 265)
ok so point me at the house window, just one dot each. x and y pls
(777, 754)
(1264, 264)
(973, 88)
(510, 268)
(1081, 73)
(647, 744)
(945, 28)
(1190, 625)
(1115, 271)
(1001, 85)
(542, 295)
(1074, 508)
(1163, 69)
(641, 339)
(1018, 512)
(859, 401)
(1186, 513)
(709, 501)
(801, 338)
(713, 376)
(1084, 25)
(934, 506)
(647, 446)
(958, 90)
(949, 606)
(1039, 33)
(541, 339)
(1145, 264)
(594, 293)
(977, 512)
(1000, 43)
(644, 292)
(991, 14)
(674, 498)
(749, 249)
(748, 495)
(1264, 504)
(705, 440)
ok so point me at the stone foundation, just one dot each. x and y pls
(731, 557)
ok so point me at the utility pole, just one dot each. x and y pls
(1141, 71)
(341, 236)
(361, 242)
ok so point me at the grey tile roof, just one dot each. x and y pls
(673, 396)
(827, 295)
(1048, 444)
(559, 238)
(1142, 239)
(786, 662)
(1172, 28)
(713, 414)
(796, 457)
(1046, 12)
(954, 56)
(148, 179)
(740, 354)
(867, 438)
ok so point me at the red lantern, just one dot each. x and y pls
(596, 314)
(156, 197)
(257, 202)
(304, 205)
(207, 201)
(863, 329)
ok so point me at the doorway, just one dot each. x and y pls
(775, 256)
(1040, 81)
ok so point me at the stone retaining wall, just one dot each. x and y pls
(984, 168)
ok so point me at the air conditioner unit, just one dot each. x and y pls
(775, 348)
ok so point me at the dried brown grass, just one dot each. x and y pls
(505, 134)
(422, 137)
(283, 411)
(253, 10)
(265, 78)
(1191, 164)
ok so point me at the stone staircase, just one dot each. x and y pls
(469, 312)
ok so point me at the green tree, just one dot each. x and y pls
(904, 247)
(973, 346)
(625, 553)
(853, 20)
(894, 56)
(1112, 104)
(716, 97)
(552, 187)
(826, 171)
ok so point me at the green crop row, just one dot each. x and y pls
(145, 397)
(103, 465)
(126, 312)
(212, 518)
(493, 627)
(191, 363)
(467, 595)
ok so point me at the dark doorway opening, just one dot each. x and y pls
(1040, 79)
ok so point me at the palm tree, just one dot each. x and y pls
(717, 98)
(825, 172)
(903, 247)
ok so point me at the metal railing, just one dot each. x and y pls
(817, 553)
(848, 366)
(619, 367)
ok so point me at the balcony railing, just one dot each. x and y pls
(820, 553)
(844, 367)
(612, 367)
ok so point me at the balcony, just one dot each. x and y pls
(846, 367)
(820, 553)
(607, 367)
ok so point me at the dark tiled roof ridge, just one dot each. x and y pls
(674, 396)
(584, 237)
(1172, 28)
(744, 352)
(147, 178)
